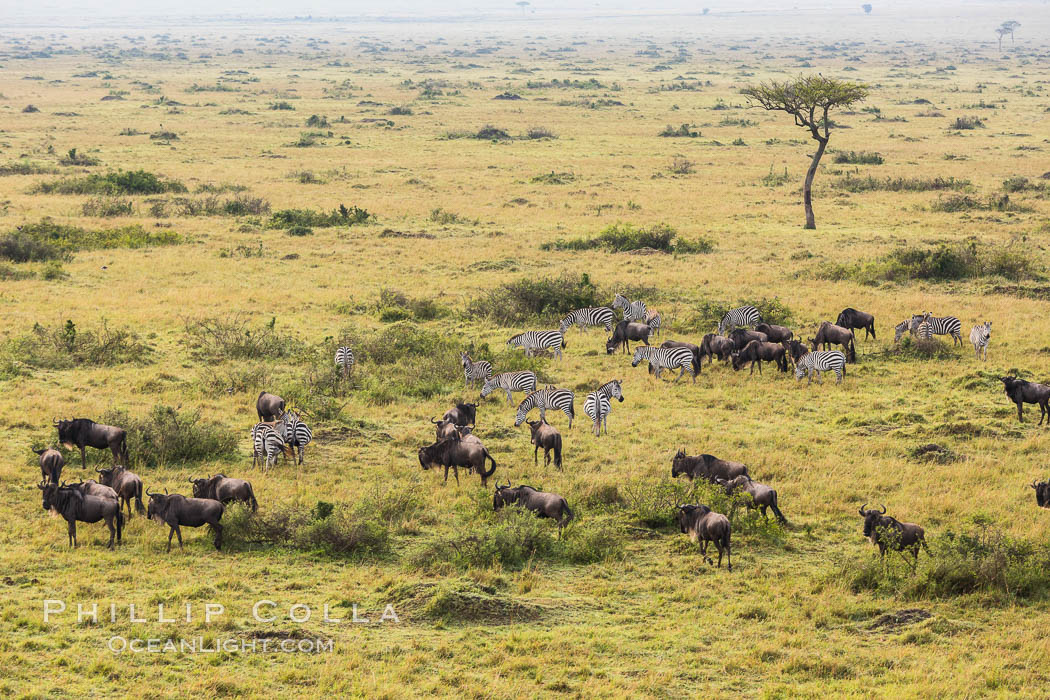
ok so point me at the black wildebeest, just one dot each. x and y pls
(776, 334)
(706, 467)
(73, 505)
(269, 406)
(680, 344)
(127, 485)
(714, 345)
(176, 510)
(546, 436)
(889, 533)
(762, 496)
(223, 489)
(1042, 493)
(795, 349)
(444, 428)
(93, 488)
(704, 525)
(51, 463)
(462, 414)
(545, 505)
(829, 334)
(757, 352)
(456, 453)
(742, 336)
(1022, 392)
(84, 432)
(626, 331)
(851, 318)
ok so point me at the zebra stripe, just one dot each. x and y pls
(524, 380)
(900, 329)
(344, 359)
(590, 316)
(924, 330)
(655, 322)
(946, 325)
(267, 443)
(821, 361)
(295, 432)
(632, 310)
(666, 358)
(742, 316)
(539, 340)
(598, 404)
(472, 371)
(980, 336)
(550, 397)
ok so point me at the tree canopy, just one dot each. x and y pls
(808, 98)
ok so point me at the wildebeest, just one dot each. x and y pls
(51, 463)
(546, 436)
(714, 345)
(706, 466)
(127, 485)
(269, 406)
(680, 344)
(624, 332)
(889, 533)
(742, 336)
(462, 414)
(545, 505)
(829, 334)
(444, 428)
(73, 505)
(223, 489)
(851, 318)
(1022, 392)
(762, 496)
(84, 432)
(757, 352)
(795, 349)
(176, 510)
(704, 525)
(93, 488)
(776, 334)
(455, 453)
(1042, 493)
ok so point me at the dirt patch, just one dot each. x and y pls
(896, 621)
(461, 600)
(932, 452)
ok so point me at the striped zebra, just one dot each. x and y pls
(590, 316)
(654, 321)
(550, 397)
(599, 404)
(980, 336)
(946, 325)
(666, 358)
(539, 340)
(473, 371)
(900, 329)
(295, 432)
(524, 380)
(632, 310)
(924, 331)
(344, 359)
(743, 316)
(820, 361)
(267, 443)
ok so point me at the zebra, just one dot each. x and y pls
(654, 322)
(924, 331)
(743, 316)
(820, 361)
(900, 329)
(268, 443)
(543, 399)
(980, 336)
(295, 432)
(524, 380)
(481, 370)
(599, 404)
(666, 358)
(590, 316)
(632, 310)
(947, 325)
(344, 359)
(539, 340)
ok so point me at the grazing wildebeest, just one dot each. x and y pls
(84, 432)
(757, 352)
(73, 505)
(704, 525)
(93, 488)
(714, 345)
(890, 533)
(546, 436)
(269, 406)
(1022, 392)
(706, 467)
(829, 334)
(444, 428)
(456, 453)
(776, 334)
(127, 485)
(545, 505)
(1042, 493)
(742, 336)
(176, 510)
(624, 332)
(223, 489)
(795, 350)
(851, 318)
(51, 463)
(462, 414)
(680, 344)
(762, 496)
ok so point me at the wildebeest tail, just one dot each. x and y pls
(487, 474)
(776, 509)
(124, 448)
(138, 499)
(871, 327)
(557, 452)
(120, 523)
(255, 503)
(696, 361)
(568, 514)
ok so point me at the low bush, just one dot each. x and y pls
(336, 529)
(47, 240)
(73, 157)
(945, 262)
(963, 202)
(66, 347)
(553, 178)
(627, 237)
(299, 230)
(858, 158)
(169, 436)
(709, 312)
(26, 167)
(684, 130)
(535, 133)
(537, 300)
(447, 218)
(105, 207)
(393, 306)
(317, 122)
(966, 123)
(869, 183)
(342, 216)
(124, 182)
(234, 337)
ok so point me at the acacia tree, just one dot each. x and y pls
(1001, 32)
(808, 99)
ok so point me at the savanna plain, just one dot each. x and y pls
(189, 217)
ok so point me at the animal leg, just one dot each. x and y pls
(455, 473)
(680, 374)
(169, 538)
(218, 535)
(112, 532)
(83, 458)
(1020, 417)
(72, 530)
(535, 456)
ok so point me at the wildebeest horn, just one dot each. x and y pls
(883, 509)
(1032, 484)
(191, 479)
(42, 484)
(148, 493)
(54, 421)
(862, 508)
(435, 422)
(99, 470)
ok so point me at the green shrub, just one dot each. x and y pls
(23, 247)
(966, 123)
(684, 130)
(899, 184)
(394, 306)
(299, 230)
(709, 312)
(234, 337)
(343, 216)
(46, 240)
(67, 347)
(943, 263)
(26, 167)
(334, 529)
(169, 436)
(858, 158)
(316, 122)
(530, 300)
(114, 183)
(553, 178)
(626, 237)
(282, 106)
(14, 274)
(105, 207)
(447, 218)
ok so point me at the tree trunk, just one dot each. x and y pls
(807, 188)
